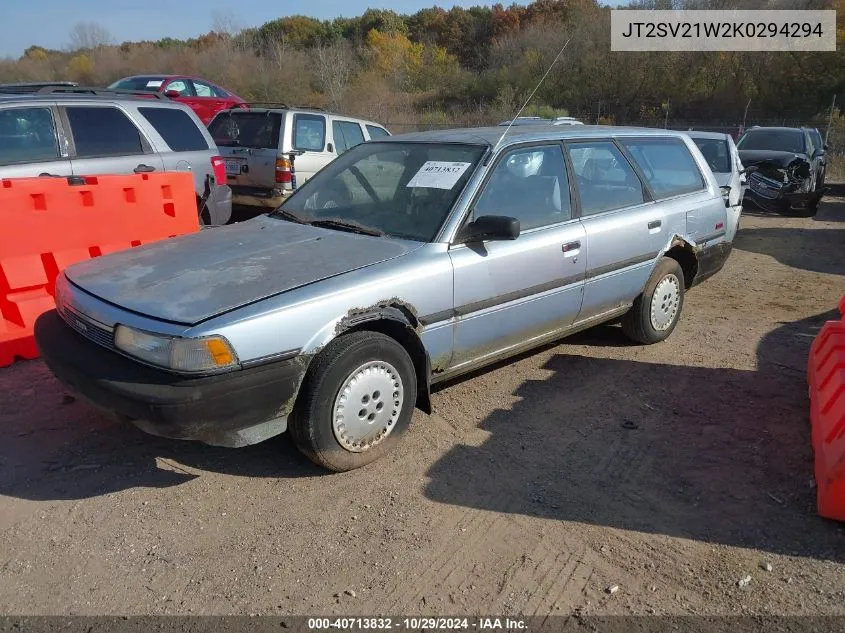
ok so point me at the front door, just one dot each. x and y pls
(511, 292)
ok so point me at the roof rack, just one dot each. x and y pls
(101, 92)
(274, 104)
(28, 87)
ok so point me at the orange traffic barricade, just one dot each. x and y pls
(49, 223)
(826, 378)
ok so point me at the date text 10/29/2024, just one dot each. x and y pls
(415, 624)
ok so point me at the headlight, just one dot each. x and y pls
(190, 355)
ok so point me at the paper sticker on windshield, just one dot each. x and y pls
(154, 83)
(438, 174)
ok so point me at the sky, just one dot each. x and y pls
(48, 22)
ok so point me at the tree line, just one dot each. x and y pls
(469, 66)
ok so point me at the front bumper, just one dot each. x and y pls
(770, 195)
(233, 409)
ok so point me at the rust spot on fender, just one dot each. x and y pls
(395, 309)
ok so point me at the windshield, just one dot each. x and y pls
(716, 153)
(774, 140)
(246, 129)
(150, 84)
(403, 190)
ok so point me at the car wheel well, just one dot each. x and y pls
(404, 334)
(684, 255)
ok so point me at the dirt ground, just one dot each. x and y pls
(671, 471)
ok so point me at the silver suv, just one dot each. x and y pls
(404, 262)
(260, 143)
(72, 131)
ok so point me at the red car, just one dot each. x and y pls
(203, 97)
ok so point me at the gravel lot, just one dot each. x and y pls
(672, 471)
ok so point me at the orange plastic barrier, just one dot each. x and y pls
(47, 224)
(826, 377)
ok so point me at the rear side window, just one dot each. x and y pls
(346, 134)
(176, 128)
(258, 130)
(606, 180)
(376, 132)
(103, 132)
(27, 135)
(667, 165)
(309, 132)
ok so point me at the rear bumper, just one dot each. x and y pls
(257, 197)
(219, 205)
(233, 409)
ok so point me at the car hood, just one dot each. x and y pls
(770, 157)
(192, 278)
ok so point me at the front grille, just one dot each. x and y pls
(763, 186)
(87, 327)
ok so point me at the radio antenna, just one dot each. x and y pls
(531, 96)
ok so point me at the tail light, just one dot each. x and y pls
(219, 167)
(284, 175)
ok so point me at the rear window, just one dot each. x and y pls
(259, 130)
(376, 132)
(716, 153)
(27, 135)
(176, 128)
(103, 132)
(667, 165)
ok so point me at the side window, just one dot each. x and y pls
(27, 135)
(176, 128)
(339, 142)
(606, 180)
(203, 89)
(667, 165)
(350, 132)
(376, 132)
(181, 86)
(103, 132)
(309, 132)
(528, 184)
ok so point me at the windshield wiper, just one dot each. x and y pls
(290, 216)
(348, 225)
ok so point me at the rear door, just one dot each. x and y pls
(346, 135)
(31, 143)
(308, 135)
(249, 143)
(208, 101)
(183, 146)
(104, 140)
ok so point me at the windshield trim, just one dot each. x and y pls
(456, 204)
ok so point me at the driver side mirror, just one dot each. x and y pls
(489, 228)
(726, 193)
(749, 170)
(172, 93)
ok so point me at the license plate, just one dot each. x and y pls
(233, 166)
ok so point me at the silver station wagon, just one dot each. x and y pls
(404, 262)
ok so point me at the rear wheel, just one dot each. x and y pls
(356, 401)
(656, 311)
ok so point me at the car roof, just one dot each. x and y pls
(721, 136)
(775, 129)
(247, 108)
(60, 97)
(526, 133)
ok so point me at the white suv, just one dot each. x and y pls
(259, 142)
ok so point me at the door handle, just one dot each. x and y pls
(143, 169)
(655, 224)
(571, 246)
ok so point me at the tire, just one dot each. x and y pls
(378, 361)
(638, 324)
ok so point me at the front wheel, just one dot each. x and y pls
(355, 402)
(656, 311)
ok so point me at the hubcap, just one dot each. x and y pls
(665, 302)
(367, 406)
